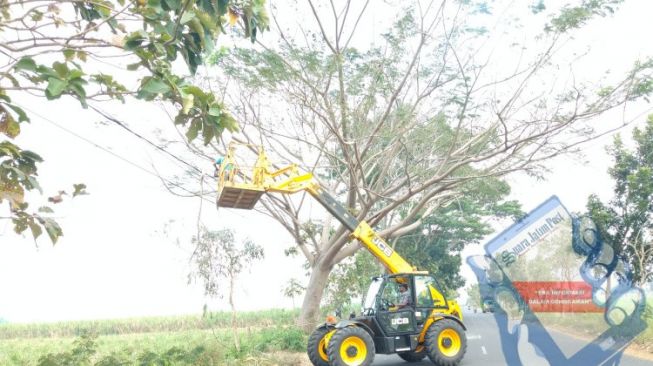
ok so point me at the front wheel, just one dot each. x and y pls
(445, 342)
(316, 348)
(412, 356)
(351, 346)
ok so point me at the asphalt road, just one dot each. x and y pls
(484, 348)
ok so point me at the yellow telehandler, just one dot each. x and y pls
(404, 312)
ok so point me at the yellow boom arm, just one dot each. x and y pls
(244, 193)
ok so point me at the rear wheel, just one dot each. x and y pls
(316, 348)
(445, 342)
(412, 356)
(351, 346)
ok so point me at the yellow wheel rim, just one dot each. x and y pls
(353, 351)
(322, 346)
(449, 342)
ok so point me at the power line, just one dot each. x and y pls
(157, 147)
(96, 145)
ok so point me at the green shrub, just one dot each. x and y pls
(202, 348)
(81, 354)
(268, 340)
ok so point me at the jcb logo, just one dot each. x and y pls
(382, 246)
(399, 321)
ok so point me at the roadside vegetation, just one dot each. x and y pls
(591, 325)
(265, 338)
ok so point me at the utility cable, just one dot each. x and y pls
(96, 145)
(159, 148)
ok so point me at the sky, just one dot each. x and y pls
(126, 245)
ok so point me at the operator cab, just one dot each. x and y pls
(397, 306)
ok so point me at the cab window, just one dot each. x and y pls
(427, 292)
(392, 295)
(422, 291)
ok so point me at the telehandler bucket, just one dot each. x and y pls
(241, 186)
(233, 196)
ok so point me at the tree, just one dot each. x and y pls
(217, 257)
(348, 283)
(62, 48)
(292, 290)
(474, 296)
(435, 246)
(398, 127)
(626, 221)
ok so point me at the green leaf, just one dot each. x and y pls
(208, 132)
(187, 17)
(215, 110)
(135, 40)
(222, 6)
(9, 149)
(194, 129)
(35, 228)
(69, 54)
(197, 27)
(207, 5)
(80, 189)
(26, 63)
(61, 69)
(197, 92)
(134, 66)
(82, 55)
(22, 116)
(32, 156)
(75, 74)
(229, 122)
(45, 209)
(55, 88)
(78, 89)
(34, 183)
(187, 103)
(173, 4)
(53, 229)
(181, 119)
(8, 124)
(155, 85)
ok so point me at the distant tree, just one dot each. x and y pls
(68, 48)
(218, 259)
(626, 221)
(293, 289)
(474, 296)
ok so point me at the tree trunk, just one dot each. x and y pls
(233, 313)
(308, 316)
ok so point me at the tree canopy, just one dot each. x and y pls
(626, 221)
(58, 49)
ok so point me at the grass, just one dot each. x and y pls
(592, 325)
(265, 318)
(265, 339)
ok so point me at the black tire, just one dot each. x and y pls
(412, 356)
(355, 344)
(445, 342)
(315, 348)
